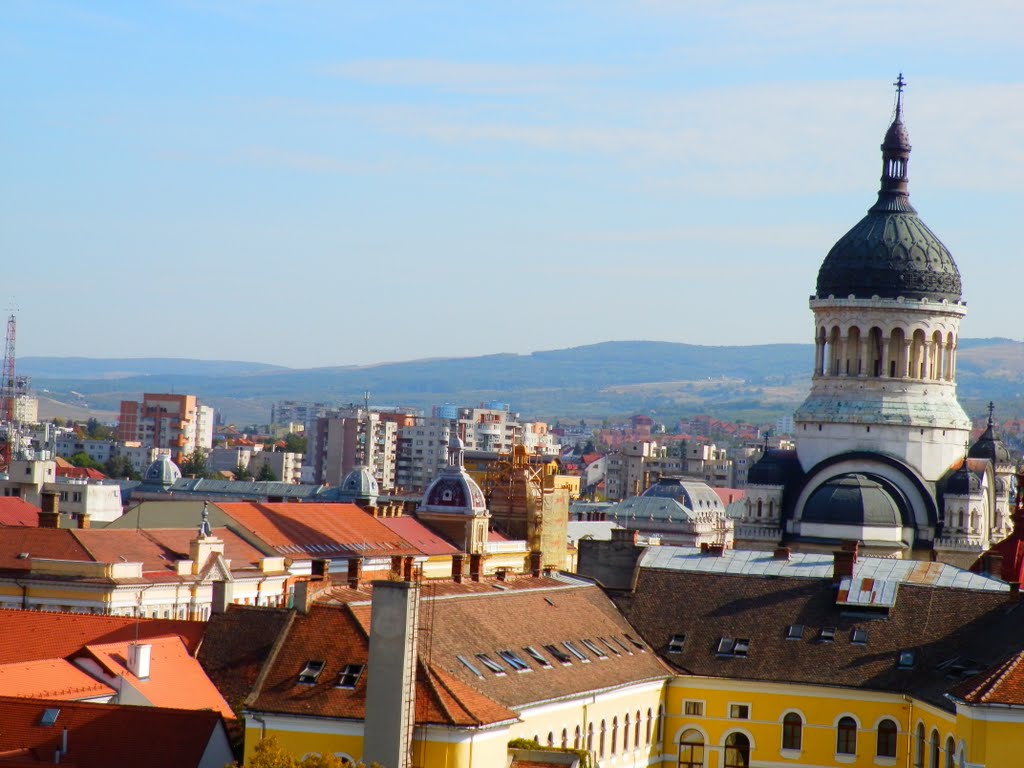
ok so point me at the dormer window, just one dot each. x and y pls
(349, 676)
(311, 672)
(675, 643)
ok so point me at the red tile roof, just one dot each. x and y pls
(176, 680)
(159, 549)
(319, 530)
(421, 537)
(80, 473)
(19, 545)
(50, 679)
(16, 512)
(1002, 685)
(31, 635)
(104, 735)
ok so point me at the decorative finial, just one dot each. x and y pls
(204, 525)
(900, 85)
(991, 410)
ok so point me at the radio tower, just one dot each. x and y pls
(8, 391)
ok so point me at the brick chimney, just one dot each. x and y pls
(844, 561)
(536, 561)
(83, 520)
(476, 566)
(408, 563)
(355, 572)
(458, 567)
(781, 553)
(49, 515)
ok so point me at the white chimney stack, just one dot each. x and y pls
(138, 659)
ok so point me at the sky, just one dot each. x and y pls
(335, 183)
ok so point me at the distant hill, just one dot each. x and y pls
(670, 379)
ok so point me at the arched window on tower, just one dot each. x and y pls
(854, 363)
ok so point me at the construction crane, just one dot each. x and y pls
(9, 393)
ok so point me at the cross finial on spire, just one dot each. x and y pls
(991, 410)
(900, 85)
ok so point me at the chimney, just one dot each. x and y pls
(536, 562)
(49, 515)
(138, 659)
(501, 574)
(476, 566)
(83, 520)
(994, 565)
(320, 569)
(781, 553)
(715, 550)
(458, 566)
(844, 561)
(64, 742)
(355, 572)
(625, 534)
(223, 595)
(390, 673)
(396, 567)
(407, 566)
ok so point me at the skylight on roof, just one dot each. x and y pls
(311, 672)
(621, 645)
(635, 643)
(349, 676)
(469, 665)
(905, 660)
(675, 643)
(534, 654)
(491, 664)
(610, 647)
(515, 661)
(859, 636)
(593, 648)
(49, 716)
(738, 647)
(575, 651)
(564, 658)
(794, 631)
(828, 634)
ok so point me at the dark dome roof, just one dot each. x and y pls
(855, 499)
(963, 482)
(775, 467)
(891, 252)
(990, 447)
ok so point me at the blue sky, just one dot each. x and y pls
(328, 183)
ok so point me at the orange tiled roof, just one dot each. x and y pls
(31, 635)
(159, 549)
(19, 545)
(16, 512)
(319, 530)
(103, 735)
(417, 534)
(1001, 685)
(175, 679)
(50, 679)
(80, 473)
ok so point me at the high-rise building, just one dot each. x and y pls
(176, 422)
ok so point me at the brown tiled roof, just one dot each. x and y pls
(951, 631)
(1001, 685)
(18, 546)
(236, 644)
(29, 635)
(104, 735)
(319, 530)
(159, 549)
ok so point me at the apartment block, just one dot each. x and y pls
(175, 422)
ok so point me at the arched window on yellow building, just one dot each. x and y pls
(691, 750)
(919, 746)
(950, 752)
(886, 746)
(792, 731)
(737, 751)
(846, 736)
(934, 749)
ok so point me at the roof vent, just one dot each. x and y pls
(139, 655)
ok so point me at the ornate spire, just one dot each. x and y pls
(991, 410)
(204, 524)
(893, 194)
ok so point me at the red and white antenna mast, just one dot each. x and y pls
(8, 390)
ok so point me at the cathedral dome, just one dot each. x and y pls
(963, 482)
(891, 252)
(989, 446)
(775, 467)
(453, 490)
(855, 499)
(360, 484)
(163, 472)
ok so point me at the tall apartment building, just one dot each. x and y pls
(351, 437)
(422, 452)
(176, 422)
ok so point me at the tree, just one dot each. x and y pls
(266, 473)
(242, 472)
(120, 466)
(295, 443)
(589, 447)
(269, 754)
(82, 459)
(96, 431)
(194, 465)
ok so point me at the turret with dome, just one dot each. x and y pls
(881, 431)
(454, 504)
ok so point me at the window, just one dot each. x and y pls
(609, 646)
(604, 731)
(558, 655)
(934, 762)
(534, 654)
(615, 735)
(650, 725)
(515, 661)
(906, 660)
(592, 647)
(950, 752)
(311, 672)
(792, 731)
(919, 746)
(739, 711)
(886, 746)
(728, 646)
(691, 750)
(693, 708)
(794, 631)
(575, 651)
(828, 634)
(490, 663)
(675, 643)
(49, 716)
(737, 751)
(625, 734)
(636, 730)
(349, 676)
(846, 737)
(635, 643)
(469, 665)
(859, 636)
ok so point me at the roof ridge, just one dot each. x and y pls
(436, 679)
